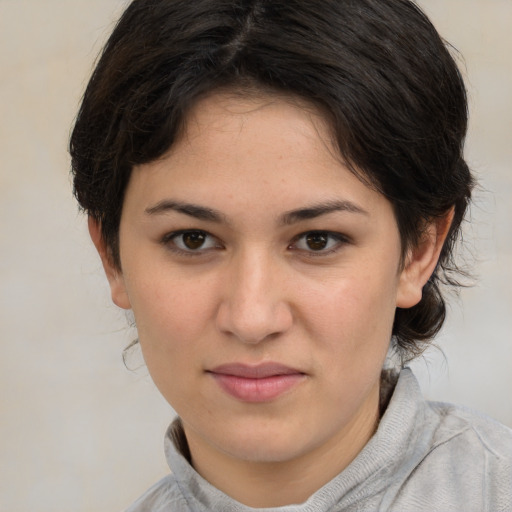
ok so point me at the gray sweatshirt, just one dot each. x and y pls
(425, 456)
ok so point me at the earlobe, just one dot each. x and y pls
(421, 261)
(114, 274)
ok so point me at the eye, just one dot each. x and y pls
(191, 241)
(321, 242)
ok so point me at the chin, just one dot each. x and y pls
(263, 445)
(263, 452)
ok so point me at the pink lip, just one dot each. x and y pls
(261, 383)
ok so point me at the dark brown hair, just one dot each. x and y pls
(388, 86)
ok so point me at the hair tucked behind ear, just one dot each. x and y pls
(387, 84)
(415, 326)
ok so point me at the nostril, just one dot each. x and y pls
(254, 324)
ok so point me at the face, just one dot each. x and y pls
(263, 277)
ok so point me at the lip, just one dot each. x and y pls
(260, 383)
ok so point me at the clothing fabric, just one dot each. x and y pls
(424, 456)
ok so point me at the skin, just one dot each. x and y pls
(257, 291)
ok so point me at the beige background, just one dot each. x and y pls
(78, 431)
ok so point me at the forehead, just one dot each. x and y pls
(251, 117)
(260, 147)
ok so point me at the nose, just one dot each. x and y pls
(254, 305)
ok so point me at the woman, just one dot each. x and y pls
(275, 189)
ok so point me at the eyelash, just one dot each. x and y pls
(340, 240)
(169, 243)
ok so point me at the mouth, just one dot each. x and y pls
(256, 384)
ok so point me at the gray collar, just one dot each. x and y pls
(402, 440)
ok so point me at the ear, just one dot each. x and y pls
(114, 274)
(422, 260)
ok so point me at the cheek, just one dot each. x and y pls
(355, 313)
(351, 327)
(172, 325)
(170, 313)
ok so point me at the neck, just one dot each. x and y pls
(273, 484)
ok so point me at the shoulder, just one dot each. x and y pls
(446, 426)
(454, 458)
(469, 460)
(161, 497)
(461, 425)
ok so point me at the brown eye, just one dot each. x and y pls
(317, 241)
(193, 239)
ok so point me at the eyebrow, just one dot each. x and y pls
(316, 210)
(288, 218)
(192, 210)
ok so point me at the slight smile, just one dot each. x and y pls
(261, 383)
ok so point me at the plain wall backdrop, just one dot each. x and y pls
(80, 432)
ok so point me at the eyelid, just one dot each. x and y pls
(340, 239)
(168, 241)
